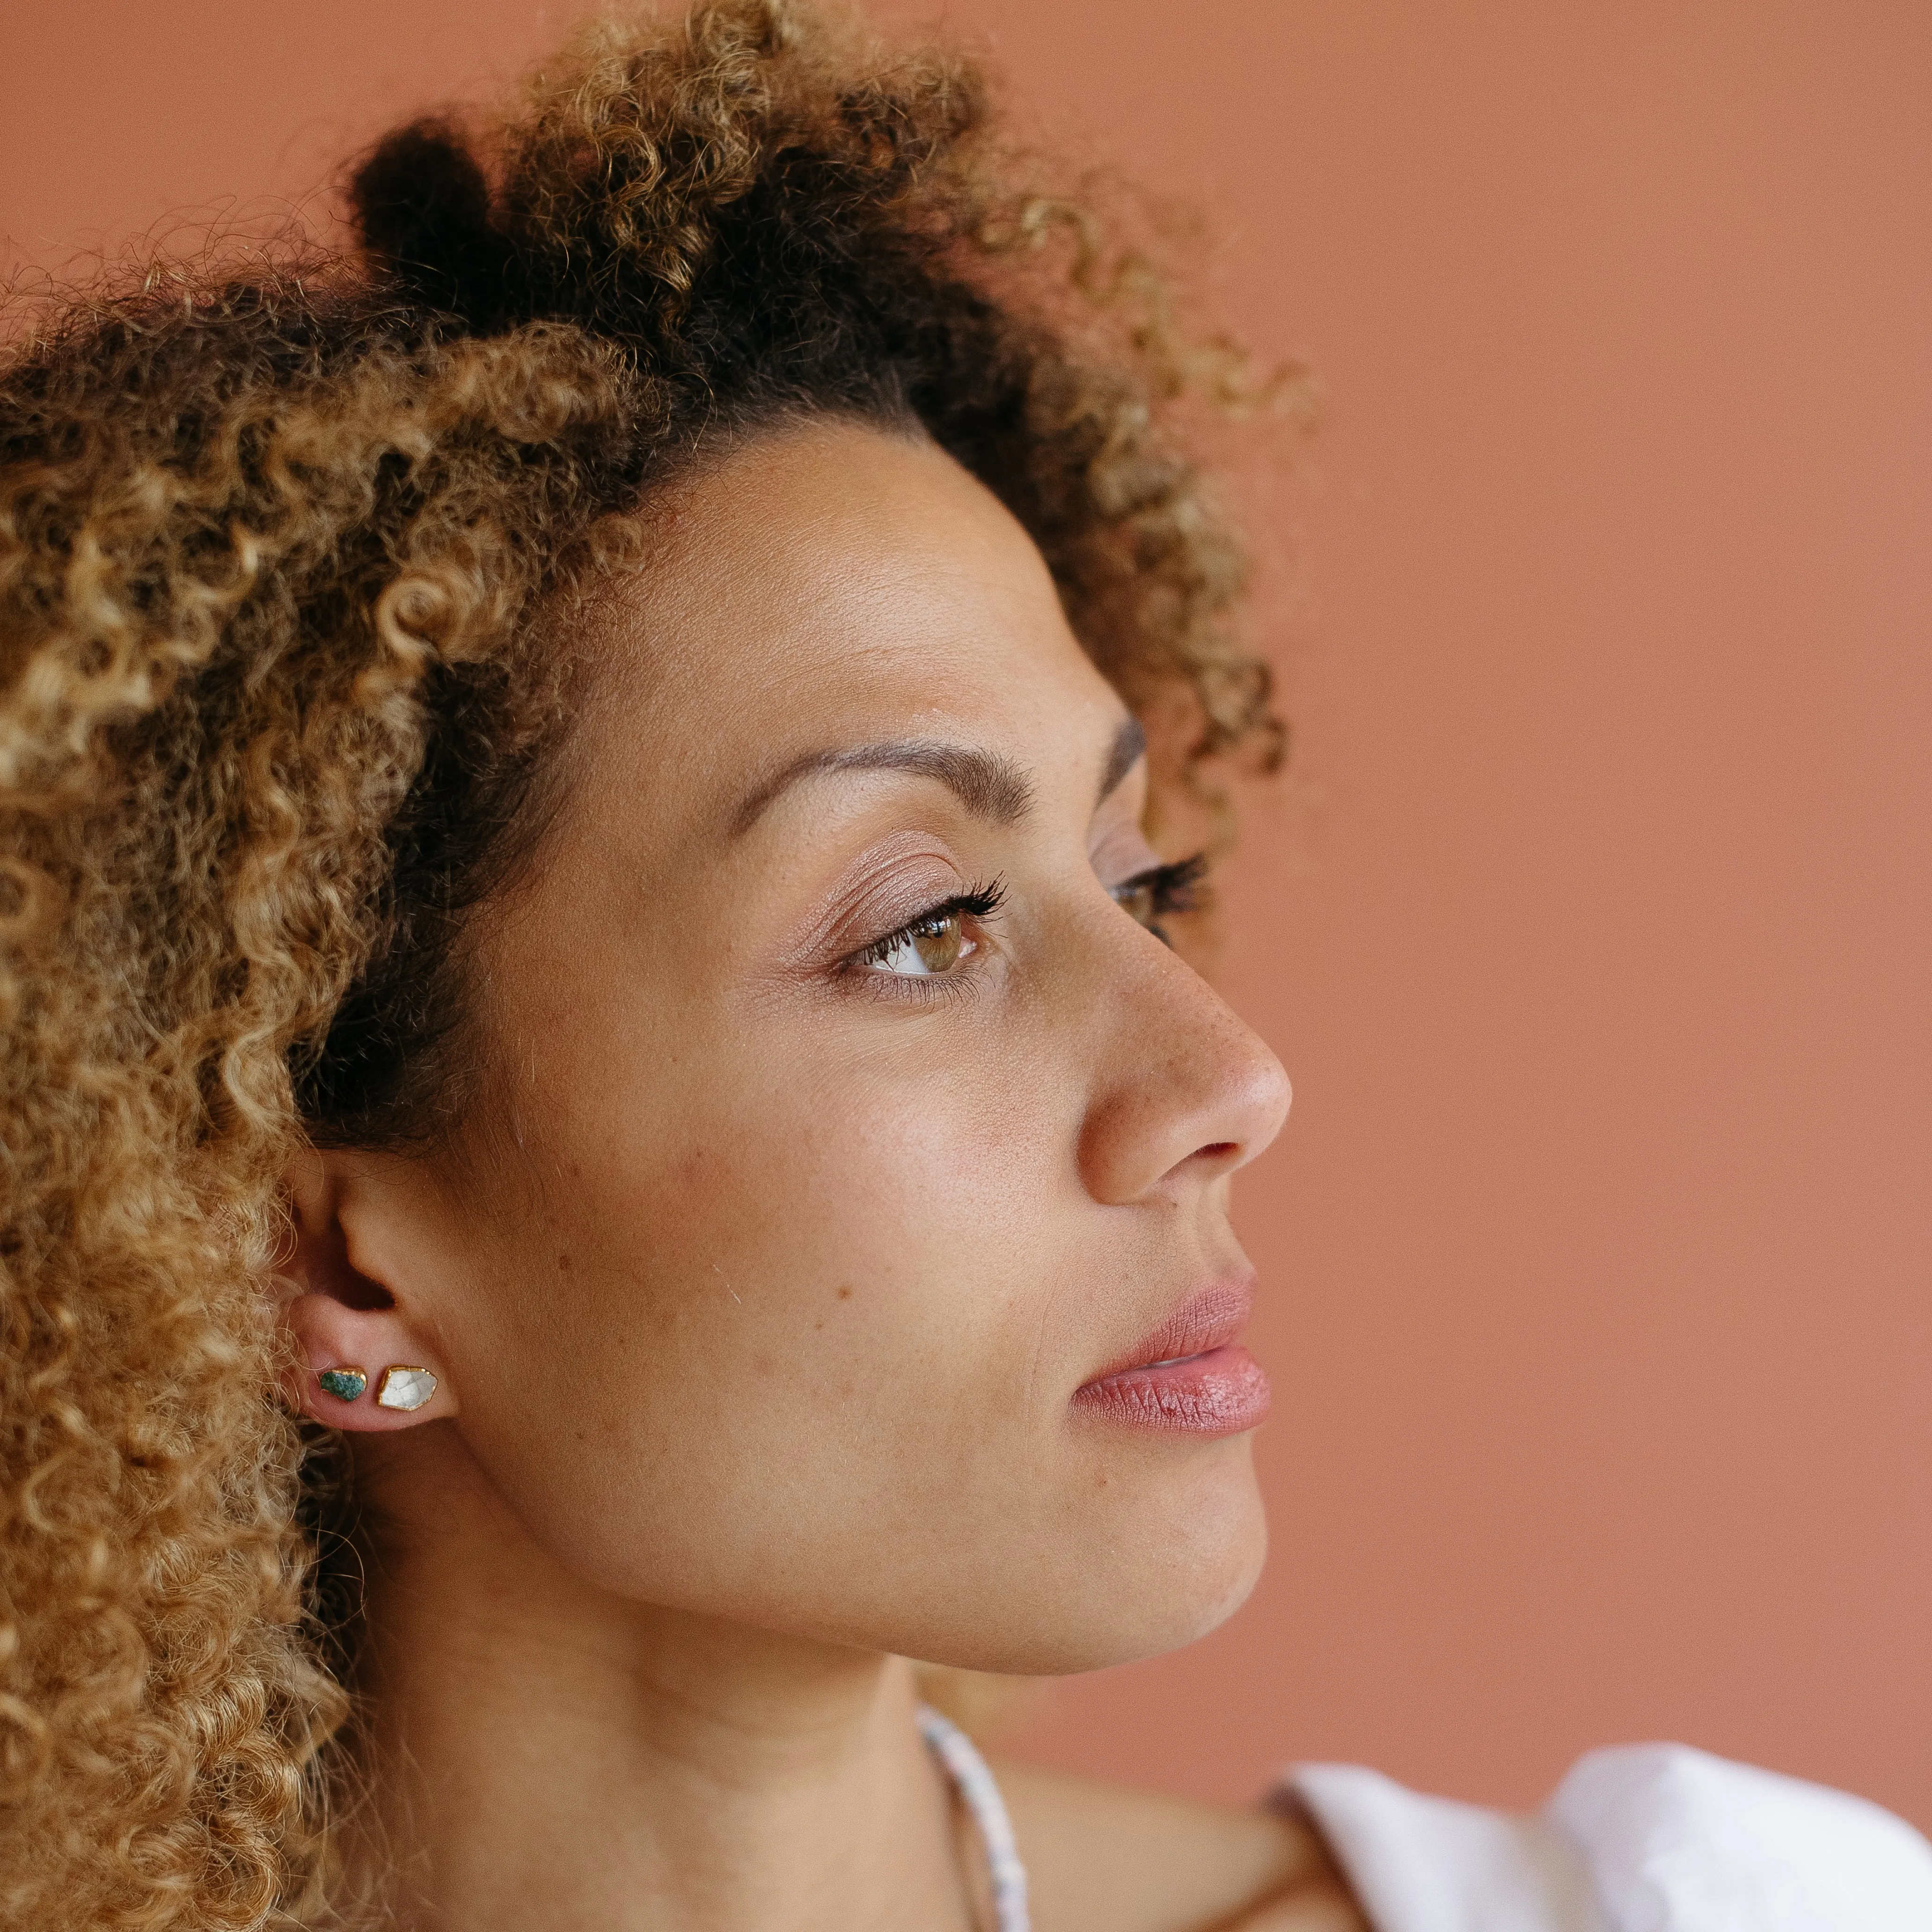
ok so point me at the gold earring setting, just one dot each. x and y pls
(344, 1383)
(404, 1388)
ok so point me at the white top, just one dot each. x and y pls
(1638, 1838)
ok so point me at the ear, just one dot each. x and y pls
(364, 1358)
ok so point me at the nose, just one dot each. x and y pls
(1184, 1090)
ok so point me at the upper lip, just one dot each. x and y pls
(1211, 1318)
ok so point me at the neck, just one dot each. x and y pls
(539, 1753)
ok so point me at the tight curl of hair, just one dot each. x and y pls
(285, 557)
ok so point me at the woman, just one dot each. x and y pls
(603, 1143)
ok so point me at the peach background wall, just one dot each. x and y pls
(1593, 925)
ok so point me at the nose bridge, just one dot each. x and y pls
(1175, 1073)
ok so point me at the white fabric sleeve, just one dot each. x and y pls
(1681, 1841)
(1638, 1838)
(1430, 1864)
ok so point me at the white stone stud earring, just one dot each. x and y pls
(405, 1388)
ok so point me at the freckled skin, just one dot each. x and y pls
(761, 1282)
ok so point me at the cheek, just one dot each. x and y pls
(891, 1213)
(787, 1298)
(896, 1179)
(798, 1352)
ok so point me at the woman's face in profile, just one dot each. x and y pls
(846, 1146)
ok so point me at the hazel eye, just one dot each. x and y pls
(934, 945)
(1176, 888)
(1140, 901)
(937, 945)
(926, 947)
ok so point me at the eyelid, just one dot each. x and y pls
(979, 902)
(881, 889)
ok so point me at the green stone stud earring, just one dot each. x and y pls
(345, 1384)
(405, 1388)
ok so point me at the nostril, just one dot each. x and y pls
(1218, 1150)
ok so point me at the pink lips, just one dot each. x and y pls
(1189, 1375)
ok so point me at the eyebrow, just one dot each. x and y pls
(989, 786)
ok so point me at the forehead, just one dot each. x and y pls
(828, 583)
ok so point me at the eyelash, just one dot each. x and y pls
(1177, 887)
(979, 902)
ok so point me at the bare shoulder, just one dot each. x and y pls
(1101, 1859)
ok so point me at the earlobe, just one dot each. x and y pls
(363, 1368)
(360, 1360)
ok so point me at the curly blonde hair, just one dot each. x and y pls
(283, 555)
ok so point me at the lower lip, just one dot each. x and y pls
(1222, 1392)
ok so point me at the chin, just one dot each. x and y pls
(1175, 1564)
(1207, 1570)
